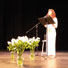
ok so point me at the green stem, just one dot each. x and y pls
(32, 55)
(20, 60)
(12, 55)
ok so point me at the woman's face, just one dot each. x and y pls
(49, 13)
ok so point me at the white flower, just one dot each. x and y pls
(23, 38)
(30, 41)
(37, 39)
(19, 37)
(26, 37)
(12, 41)
(16, 41)
(9, 42)
(33, 38)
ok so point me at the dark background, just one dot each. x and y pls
(17, 17)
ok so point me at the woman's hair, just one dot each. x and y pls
(53, 13)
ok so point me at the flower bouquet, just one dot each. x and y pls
(12, 48)
(18, 45)
(21, 44)
(32, 44)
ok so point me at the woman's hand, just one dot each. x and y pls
(45, 25)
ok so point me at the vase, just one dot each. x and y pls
(20, 60)
(32, 55)
(12, 56)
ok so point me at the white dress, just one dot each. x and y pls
(51, 38)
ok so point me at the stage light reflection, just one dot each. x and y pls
(50, 63)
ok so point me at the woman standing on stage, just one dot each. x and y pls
(51, 34)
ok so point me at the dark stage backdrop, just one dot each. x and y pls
(17, 17)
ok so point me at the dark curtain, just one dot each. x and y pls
(17, 17)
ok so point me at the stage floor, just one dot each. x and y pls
(61, 61)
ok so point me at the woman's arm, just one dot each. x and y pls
(56, 23)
